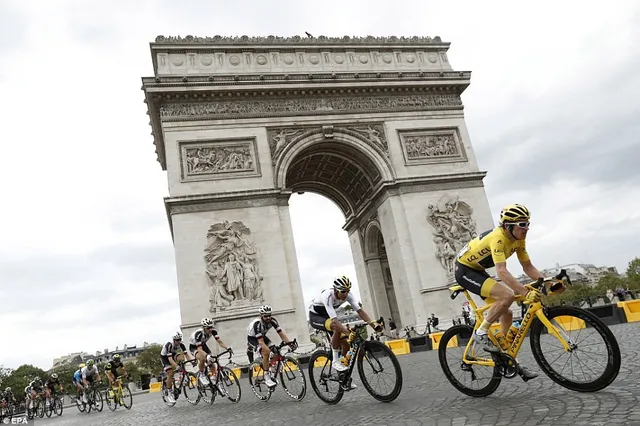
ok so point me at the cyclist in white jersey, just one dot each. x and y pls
(256, 337)
(89, 374)
(198, 346)
(322, 316)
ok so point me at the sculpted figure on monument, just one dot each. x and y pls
(280, 140)
(232, 265)
(374, 133)
(205, 160)
(454, 226)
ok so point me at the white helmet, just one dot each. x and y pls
(265, 309)
(207, 322)
(177, 336)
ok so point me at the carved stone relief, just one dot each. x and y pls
(454, 227)
(363, 228)
(219, 159)
(305, 106)
(280, 138)
(425, 146)
(231, 266)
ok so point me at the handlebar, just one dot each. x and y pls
(539, 283)
(277, 348)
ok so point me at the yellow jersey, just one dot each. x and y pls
(491, 247)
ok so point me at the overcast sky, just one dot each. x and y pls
(86, 259)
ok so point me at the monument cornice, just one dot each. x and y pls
(459, 78)
(278, 41)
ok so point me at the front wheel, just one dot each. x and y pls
(325, 381)
(595, 367)
(292, 378)
(471, 379)
(383, 362)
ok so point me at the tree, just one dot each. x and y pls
(633, 270)
(21, 377)
(149, 360)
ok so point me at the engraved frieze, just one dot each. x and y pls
(309, 105)
(218, 159)
(424, 146)
(258, 40)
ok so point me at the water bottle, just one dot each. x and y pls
(502, 341)
(347, 357)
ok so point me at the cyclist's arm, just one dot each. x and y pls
(219, 340)
(508, 279)
(528, 268)
(279, 330)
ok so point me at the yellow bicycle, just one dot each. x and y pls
(118, 395)
(546, 325)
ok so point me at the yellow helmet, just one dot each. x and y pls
(82, 365)
(342, 284)
(514, 213)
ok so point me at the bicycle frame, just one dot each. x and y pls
(535, 310)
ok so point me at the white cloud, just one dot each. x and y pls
(554, 84)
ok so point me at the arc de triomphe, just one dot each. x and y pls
(375, 124)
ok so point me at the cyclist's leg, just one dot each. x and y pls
(168, 369)
(111, 378)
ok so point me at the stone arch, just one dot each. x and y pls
(342, 168)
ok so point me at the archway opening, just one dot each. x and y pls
(379, 275)
(336, 179)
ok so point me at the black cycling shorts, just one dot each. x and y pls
(477, 282)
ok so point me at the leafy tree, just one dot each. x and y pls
(633, 270)
(149, 361)
(21, 377)
(610, 282)
(65, 374)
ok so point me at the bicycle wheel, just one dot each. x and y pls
(377, 355)
(320, 363)
(568, 320)
(256, 381)
(98, 404)
(111, 401)
(190, 387)
(126, 398)
(48, 409)
(58, 406)
(40, 409)
(292, 372)
(458, 336)
(80, 404)
(230, 384)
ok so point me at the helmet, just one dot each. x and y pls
(116, 357)
(90, 363)
(8, 389)
(177, 336)
(514, 213)
(36, 379)
(54, 376)
(342, 284)
(207, 322)
(83, 365)
(264, 309)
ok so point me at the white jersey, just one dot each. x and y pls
(86, 372)
(326, 303)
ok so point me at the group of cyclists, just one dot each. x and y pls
(489, 249)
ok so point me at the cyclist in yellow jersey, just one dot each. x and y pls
(493, 248)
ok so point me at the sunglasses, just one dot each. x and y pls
(343, 291)
(522, 224)
(266, 316)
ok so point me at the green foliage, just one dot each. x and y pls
(149, 361)
(633, 270)
(65, 374)
(21, 377)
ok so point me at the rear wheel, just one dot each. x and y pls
(470, 379)
(594, 357)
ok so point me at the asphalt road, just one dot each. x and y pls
(427, 398)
